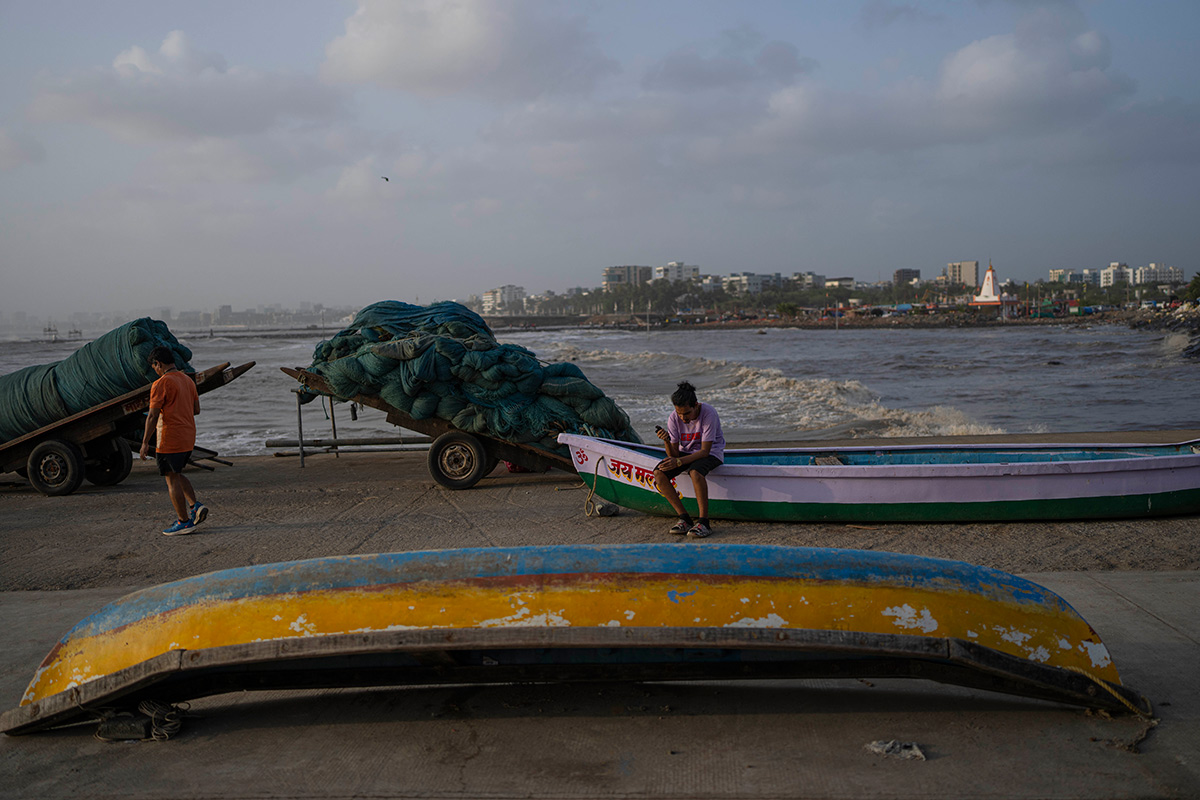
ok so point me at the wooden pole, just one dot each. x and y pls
(333, 423)
(299, 427)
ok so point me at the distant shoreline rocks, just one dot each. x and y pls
(1185, 319)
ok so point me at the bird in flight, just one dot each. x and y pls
(385, 178)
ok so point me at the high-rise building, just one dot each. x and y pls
(964, 272)
(676, 271)
(507, 298)
(1116, 272)
(905, 276)
(628, 275)
(1157, 273)
(751, 283)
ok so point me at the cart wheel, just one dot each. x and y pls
(458, 460)
(112, 466)
(55, 467)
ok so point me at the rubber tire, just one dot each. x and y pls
(55, 467)
(113, 466)
(458, 460)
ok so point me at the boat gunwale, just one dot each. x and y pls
(944, 659)
(728, 469)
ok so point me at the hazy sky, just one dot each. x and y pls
(190, 154)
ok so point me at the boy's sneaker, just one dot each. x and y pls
(699, 531)
(180, 526)
(199, 513)
(679, 528)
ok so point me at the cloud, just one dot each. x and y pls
(17, 149)
(1049, 75)
(739, 59)
(274, 157)
(687, 71)
(176, 56)
(497, 49)
(1044, 75)
(882, 14)
(743, 121)
(181, 93)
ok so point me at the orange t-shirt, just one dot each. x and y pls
(176, 396)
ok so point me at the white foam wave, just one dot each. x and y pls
(761, 402)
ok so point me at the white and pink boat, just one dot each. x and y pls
(911, 483)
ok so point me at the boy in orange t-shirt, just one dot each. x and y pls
(174, 404)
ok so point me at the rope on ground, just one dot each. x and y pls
(1147, 713)
(589, 507)
(154, 721)
(165, 719)
(101, 714)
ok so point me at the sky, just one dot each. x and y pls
(185, 155)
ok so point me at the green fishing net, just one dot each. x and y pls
(443, 361)
(108, 367)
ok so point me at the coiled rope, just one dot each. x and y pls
(589, 507)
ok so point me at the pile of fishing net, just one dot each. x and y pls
(443, 361)
(114, 364)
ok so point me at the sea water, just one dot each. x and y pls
(774, 385)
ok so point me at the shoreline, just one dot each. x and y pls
(1140, 319)
(1134, 580)
(1182, 320)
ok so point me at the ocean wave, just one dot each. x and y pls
(191, 342)
(764, 402)
(1174, 343)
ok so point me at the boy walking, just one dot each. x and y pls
(694, 444)
(174, 404)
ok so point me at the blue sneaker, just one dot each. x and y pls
(199, 513)
(180, 526)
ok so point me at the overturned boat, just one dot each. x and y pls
(574, 613)
(910, 483)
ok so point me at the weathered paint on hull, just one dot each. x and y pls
(938, 492)
(640, 586)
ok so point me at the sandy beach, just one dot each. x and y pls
(266, 509)
(63, 558)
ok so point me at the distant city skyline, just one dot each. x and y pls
(165, 153)
(500, 298)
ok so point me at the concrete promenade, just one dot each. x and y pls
(1136, 581)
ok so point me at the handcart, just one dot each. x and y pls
(457, 459)
(95, 444)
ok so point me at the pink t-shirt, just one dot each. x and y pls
(691, 436)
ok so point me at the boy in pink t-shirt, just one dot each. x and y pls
(696, 445)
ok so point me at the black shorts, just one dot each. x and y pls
(172, 462)
(702, 465)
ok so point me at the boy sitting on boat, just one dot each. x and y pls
(696, 445)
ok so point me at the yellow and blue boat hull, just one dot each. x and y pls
(574, 612)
